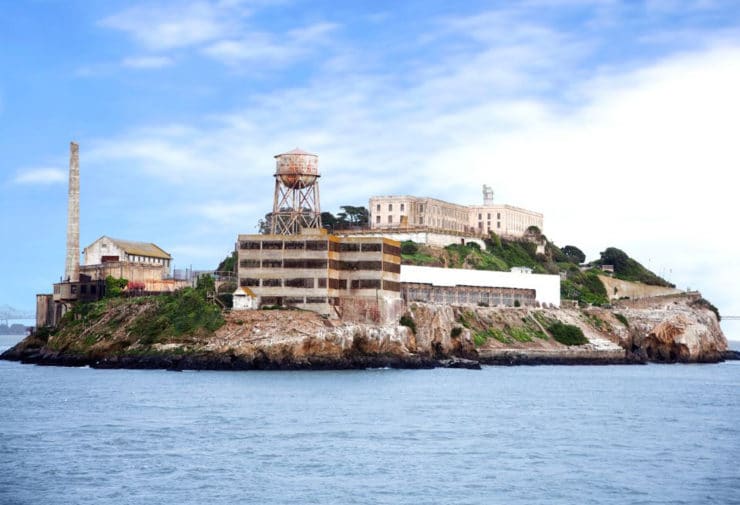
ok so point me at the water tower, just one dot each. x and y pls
(296, 203)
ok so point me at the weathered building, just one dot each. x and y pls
(141, 262)
(324, 273)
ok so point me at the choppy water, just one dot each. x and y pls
(610, 434)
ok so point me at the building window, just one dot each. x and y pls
(402, 207)
(498, 224)
(498, 215)
(421, 219)
(390, 219)
(390, 207)
(377, 219)
(480, 217)
(489, 215)
(377, 207)
(421, 208)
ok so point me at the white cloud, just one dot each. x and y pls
(177, 25)
(145, 62)
(41, 176)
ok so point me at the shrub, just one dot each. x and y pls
(409, 248)
(622, 319)
(567, 334)
(408, 322)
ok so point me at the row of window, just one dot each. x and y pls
(310, 283)
(310, 245)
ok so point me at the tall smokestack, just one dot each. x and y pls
(72, 268)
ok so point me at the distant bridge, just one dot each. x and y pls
(8, 313)
(731, 318)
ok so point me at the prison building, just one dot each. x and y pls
(461, 286)
(321, 272)
(410, 213)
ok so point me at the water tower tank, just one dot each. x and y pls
(297, 169)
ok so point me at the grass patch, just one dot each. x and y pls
(622, 319)
(183, 312)
(567, 334)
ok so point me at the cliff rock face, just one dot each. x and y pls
(674, 329)
(664, 329)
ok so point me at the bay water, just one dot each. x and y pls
(549, 434)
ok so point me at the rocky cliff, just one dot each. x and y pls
(680, 328)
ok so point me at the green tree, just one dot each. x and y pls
(228, 264)
(574, 254)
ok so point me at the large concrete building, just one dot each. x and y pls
(300, 265)
(339, 277)
(409, 213)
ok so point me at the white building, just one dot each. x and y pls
(395, 213)
(244, 299)
(111, 250)
(546, 287)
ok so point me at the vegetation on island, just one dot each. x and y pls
(579, 281)
(168, 317)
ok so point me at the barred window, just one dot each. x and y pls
(391, 249)
(249, 281)
(272, 244)
(248, 244)
(337, 284)
(321, 282)
(366, 284)
(372, 247)
(316, 245)
(315, 299)
(349, 247)
(392, 286)
(296, 300)
(393, 268)
(295, 244)
(271, 283)
(249, 263)
(272, 263)
(299, 282)
(304, 263)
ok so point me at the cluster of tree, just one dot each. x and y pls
(350, 217)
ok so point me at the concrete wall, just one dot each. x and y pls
(136, 272)
(617, 288)
(547, 287)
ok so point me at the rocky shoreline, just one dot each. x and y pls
(664, 330)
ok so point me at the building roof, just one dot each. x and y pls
(296, 151)
(141, 248)
(244, 291)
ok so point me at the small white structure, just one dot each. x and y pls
(547, 287)
(521, 270)
(244, 299)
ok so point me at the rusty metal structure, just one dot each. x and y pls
(296, 203)
(72, 265)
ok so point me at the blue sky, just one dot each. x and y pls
(617, 120)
